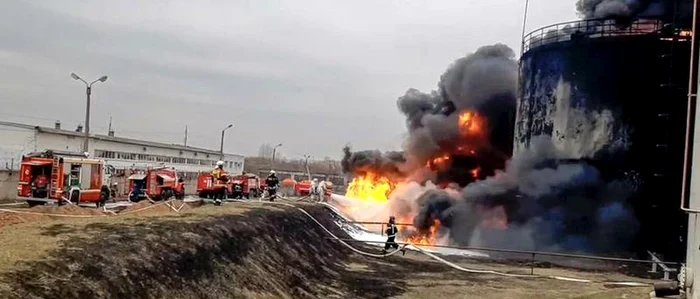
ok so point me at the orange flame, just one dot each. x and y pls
(440, 162)
(470, 123)
(427, 239)
(371, 188)
(476, 172)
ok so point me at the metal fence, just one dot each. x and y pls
(596, 28)
(654, 262)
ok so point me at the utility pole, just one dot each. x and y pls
(185, 135)
(88, 91)
(110, 126)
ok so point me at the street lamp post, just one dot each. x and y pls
(274, 152)
(221, 151)
(306, 163)
(88, 91)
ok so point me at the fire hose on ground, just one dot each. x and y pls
(167, 203)
(358, 251)
(454, 266)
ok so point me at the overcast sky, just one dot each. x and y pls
(311, 74)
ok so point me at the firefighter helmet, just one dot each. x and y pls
(272, 172)
(219, 163)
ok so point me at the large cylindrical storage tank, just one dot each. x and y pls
(614, 95)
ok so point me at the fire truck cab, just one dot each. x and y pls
(60, 177)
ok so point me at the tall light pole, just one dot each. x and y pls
(221, 151)
(88, 91)
(274, 152)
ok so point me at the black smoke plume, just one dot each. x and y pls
(549, 204)
(482, 82)
(534, 200)
(595, 9)
(667, 10)
(386, 164)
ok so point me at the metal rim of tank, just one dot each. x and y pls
(592, 28)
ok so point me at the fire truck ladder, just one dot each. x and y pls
(55, 176)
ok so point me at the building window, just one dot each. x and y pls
(140, 156)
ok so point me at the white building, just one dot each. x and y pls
(122, 153)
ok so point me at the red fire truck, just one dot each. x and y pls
(302, 188)
(245, 185)
(157, 184)
(61, 177)
(208, 188)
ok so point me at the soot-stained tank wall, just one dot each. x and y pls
(620, 102)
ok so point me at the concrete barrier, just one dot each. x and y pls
(8, 184)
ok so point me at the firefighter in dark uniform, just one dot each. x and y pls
(391, 232)
(272, 182)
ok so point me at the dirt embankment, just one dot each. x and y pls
(264, 253)
(243, 250)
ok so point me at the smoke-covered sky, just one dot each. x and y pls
(311, 74)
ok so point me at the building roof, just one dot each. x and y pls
(113, 138)
(261, 170)
(16, 125)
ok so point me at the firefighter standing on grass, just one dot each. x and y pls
(272, 181)
(391, 232)
(219, 178)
